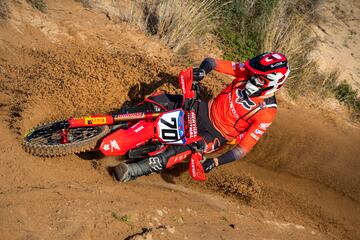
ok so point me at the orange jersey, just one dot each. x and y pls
(237, 116)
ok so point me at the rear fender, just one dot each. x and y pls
(122, 140)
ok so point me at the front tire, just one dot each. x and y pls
(45, 140)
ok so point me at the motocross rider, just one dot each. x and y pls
(241, 112)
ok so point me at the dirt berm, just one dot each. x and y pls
(300, 182)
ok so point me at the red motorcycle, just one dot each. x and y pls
(134, 135)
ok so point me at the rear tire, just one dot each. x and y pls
(45, 140)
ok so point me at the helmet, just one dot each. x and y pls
(268, 72)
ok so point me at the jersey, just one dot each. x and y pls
(237, 116)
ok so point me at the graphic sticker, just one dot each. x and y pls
(264, 126)
(155, 164)
(244, 100)
(106, 147)
(114, 145)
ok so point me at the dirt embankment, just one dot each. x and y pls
(301, 181)
(338, 46)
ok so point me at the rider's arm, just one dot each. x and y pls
(232, 68)
(234, 154)
(246, 140)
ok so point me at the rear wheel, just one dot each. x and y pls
(47, 140)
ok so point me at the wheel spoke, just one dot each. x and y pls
(51, 134)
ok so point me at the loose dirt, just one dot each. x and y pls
(300, 182)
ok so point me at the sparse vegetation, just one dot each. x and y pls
(345, 94)
(4, 10)
(174, 22)
(123, 218)
(85, 3)
(38, 4)
(242, 27)
(288, 32)
(177, 22)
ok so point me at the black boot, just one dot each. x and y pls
(126, 172)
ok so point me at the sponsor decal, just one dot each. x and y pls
(244, 100)
(130, 115)
(192, 124)
(211, 166)
(232, 107)
(182, 84)
(193, 169)
(267, 59)
(155, 164)
(233, 64)
(258, 131)
(254, 136)
(264, 126)
(236, 66)
(95, 120)
(277, 56)
(157, 108)
(114, 145)
(277, 64)
(180, 157)
(139, 129)
(106, 147)
(240, 137)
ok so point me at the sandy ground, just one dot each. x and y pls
(338, 32)
(300, 182)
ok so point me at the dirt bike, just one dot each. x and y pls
(135, 135)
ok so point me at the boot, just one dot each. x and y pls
(126, 172)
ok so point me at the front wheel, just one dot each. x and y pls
(47, 140)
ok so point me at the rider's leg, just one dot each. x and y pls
(125, 172)
(209, 133)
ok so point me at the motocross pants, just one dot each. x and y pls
(211, 138)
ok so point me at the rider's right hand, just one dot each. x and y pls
(198, 74)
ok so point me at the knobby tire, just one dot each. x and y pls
(44, 139)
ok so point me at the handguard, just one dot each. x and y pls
(186, 82)
(196, 169)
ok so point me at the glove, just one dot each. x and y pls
(208, 164)
(198, 74)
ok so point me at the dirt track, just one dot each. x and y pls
(300, 182)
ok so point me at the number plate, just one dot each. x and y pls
(170, 127)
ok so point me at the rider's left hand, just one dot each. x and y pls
(198, 74)
(208, 164)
